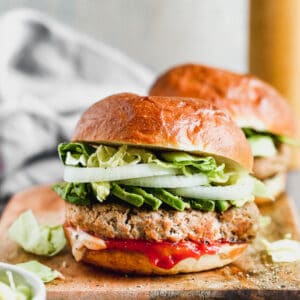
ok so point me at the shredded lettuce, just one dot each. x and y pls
(285, 250)
(81, 155)
(109, 157)
(75, 154)
(13, 289)
(190, 164)
(45, 273)
(45, 240)
(101, 190)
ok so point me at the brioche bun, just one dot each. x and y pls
(172, 123)
(251, 102)
(135, 262)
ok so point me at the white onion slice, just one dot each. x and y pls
(243, 188)
(167, 181)
(73, 174)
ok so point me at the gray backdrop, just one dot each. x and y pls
(158, 33)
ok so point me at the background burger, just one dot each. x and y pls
(255, 106)
(157, 185)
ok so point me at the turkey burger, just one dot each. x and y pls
(255, 106)
(157, 185)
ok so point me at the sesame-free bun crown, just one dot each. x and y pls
(251, 102)
(183, 124)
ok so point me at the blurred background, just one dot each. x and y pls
(58, 57)
(158, 33)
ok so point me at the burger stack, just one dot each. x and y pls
(256, 107)
(162, 184)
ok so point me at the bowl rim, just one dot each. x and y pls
(33, 280)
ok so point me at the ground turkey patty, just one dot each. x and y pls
(117, 221)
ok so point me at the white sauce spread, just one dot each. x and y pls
(82, 241)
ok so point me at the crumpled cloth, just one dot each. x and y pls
(49, 75)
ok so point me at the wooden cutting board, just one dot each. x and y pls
(252, 276)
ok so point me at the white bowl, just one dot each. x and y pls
(28, 278)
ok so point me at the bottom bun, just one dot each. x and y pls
(134, 262)
(275, 186)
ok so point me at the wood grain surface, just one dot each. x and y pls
(252, 276)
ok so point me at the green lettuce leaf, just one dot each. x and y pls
(275, 137)
(210, 205)
(287, 140)
(76, 193)
(222, 205)
(153, 197)
(262, 145)
(129, 197)
(75, 154)
(109, 157)
(170, 199)
(101, 190)
(149, 198)
(45, 273)
(204, 205)
(82, 193)
(191, 164)
(45, 240)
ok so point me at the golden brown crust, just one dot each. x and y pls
(164, 122)
(250, 101)
(135, 262)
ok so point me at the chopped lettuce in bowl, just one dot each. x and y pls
(19, 284)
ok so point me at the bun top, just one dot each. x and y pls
(163, 122)
(251, 102)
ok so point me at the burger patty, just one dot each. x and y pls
(118, 221)
(266, 167)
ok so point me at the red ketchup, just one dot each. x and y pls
(166, 255)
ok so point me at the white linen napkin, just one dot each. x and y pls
(49, 75)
